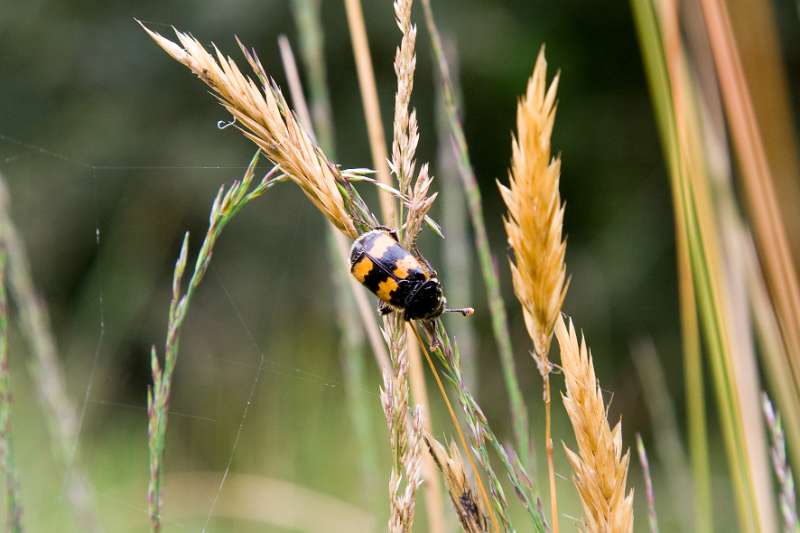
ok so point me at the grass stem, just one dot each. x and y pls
(225, 207)
(7, 465)
(497, 311)
(457, 426)
(49, 376)
(372, 108)
(352, 339)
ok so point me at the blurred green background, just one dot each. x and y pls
(111, 152)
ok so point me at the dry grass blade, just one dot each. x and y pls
(497, 311)
(264, 117)
(600, 468)
(351, 348)
(60, 411)
(533, 226)
(729, 350)
(466, 501)
(758, 182)
(372, 110)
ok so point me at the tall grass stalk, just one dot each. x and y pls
(690, 172)
(723, 299)
(757, 180)
(372, 108)
(656, 70)
(534, 225)
(735, 241)
(13, 503)
(60, 412)
(405, 137)
(758, 37)
(404, 141)
(225, 207)
(352, 337)
(497, 311)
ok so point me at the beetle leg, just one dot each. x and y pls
(432, 328)
(384, 308)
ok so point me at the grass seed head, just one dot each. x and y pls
(600, 469)
(466, 501)
(535, 213)
(264, 117)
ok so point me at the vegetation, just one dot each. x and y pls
(737, 293)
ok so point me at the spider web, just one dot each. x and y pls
(20, 149)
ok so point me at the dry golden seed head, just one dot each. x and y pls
(600, 469)
(406, 135)
(264, 117)
(535, 213)
(468, 505)
(419, 205)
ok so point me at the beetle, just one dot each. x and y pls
(401, 280)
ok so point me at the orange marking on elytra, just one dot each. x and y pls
(386, 288)
(405, 264)
(362, 268)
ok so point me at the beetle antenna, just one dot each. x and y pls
(466, 311)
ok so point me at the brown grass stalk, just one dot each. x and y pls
(497, 310)
(533, 226)
(405, 138)
(372, 108)
(365, 311)
(600, 469)
(757, 180)
(459, 432)
(352, 354)
(736, 390)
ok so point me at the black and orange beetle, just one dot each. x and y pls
(403, 282)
